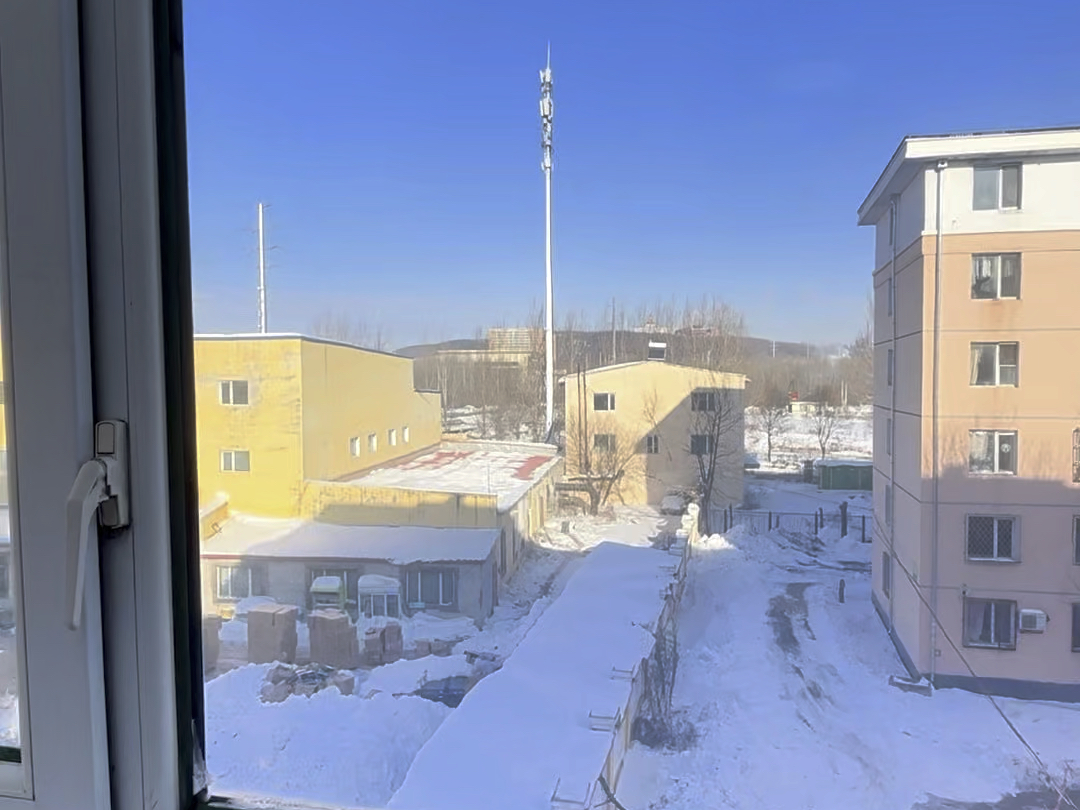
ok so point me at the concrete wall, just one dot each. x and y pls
(332, 502)
(269, 427)
(654, 399)
(349, 392)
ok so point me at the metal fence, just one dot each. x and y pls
(760, 521)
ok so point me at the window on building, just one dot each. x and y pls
(603, 402)
(993, 451)
(1076, 540)
(995, 363)
(888, 504)
(886, 573)
(380, 604)
(995, 275)
(990, 537)
(239, 581)
(707, 401)
(889, 368)
(236, 461)
(405, 434)
(996, 187)
(700, 444)
(354, 446)
(657, 351)
(888, 436)
(391, 437)
(652, 444)
(431, 587)
(890, 292)
(234, 392)
(604, 442)
(990, 623)
(372, 442)
(892, 225)
(1076, 627)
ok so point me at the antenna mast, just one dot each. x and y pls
(546, 123)
(262, 274)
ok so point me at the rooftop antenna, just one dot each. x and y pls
(546, 124)
(262, 273)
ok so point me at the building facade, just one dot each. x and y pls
(277, 411)
(976, 413)
(655, 425)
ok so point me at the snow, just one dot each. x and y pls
(341, 750)
(247, 536)
(852, 437)
(526, 728)
(402, 677)
(789, 691)
(506, 470)
(327, 583)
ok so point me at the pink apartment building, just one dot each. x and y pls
(977, 408)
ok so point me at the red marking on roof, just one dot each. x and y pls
(529, 466)
(442, 458)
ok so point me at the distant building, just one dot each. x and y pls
(647, 421)
(277, 411)
(976, 421)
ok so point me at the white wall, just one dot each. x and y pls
(909, 223)
(1050, 199)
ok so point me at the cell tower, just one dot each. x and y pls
(546, 123)
(262, 273)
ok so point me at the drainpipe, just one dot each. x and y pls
(941, 165)
(895, 226)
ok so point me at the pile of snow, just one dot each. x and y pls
(404, 677)
(789, 691)
(340, 750)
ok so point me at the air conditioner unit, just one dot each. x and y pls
(1032, 621)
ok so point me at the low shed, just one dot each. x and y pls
(837, 473)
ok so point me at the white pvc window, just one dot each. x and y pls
(995, 364)
(372, 442)
(234, 392)
(992, 452)
(996, 187)
(995, 275)
(236, 461)
(354, 446)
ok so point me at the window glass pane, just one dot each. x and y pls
(980, 537)
(984, 270)
(979, 626)
(239, 392)
(983, 365)
(1010, 186)
(1010, 275)
(241, 461)
(986, 187)
(1007, 452)
(1004, 538)
(429, 587)
(1003, 623)
(392, 609)
(1076, 627)
(1076, 540)
(981, 458)
(448, 583)
(226, 392)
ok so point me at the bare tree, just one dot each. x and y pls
(341, 327)
(859, 365)
(716, 444)
(823, 422)
(601, 449)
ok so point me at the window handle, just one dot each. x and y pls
(101, 487)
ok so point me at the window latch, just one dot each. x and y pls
(101, 488)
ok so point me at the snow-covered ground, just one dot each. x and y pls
(852, 437)
(356, 749)
(789, 691)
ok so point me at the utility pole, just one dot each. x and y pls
(262, 274)
(546, 124)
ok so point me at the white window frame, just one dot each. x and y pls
(1014, 555)
(998, 435)
(391, 437)
(228, 460)
(973, 371)
(226, 569)
(997, 260)
(354, 446)
(999, 171)
(652, 444)
(405, 434)
(230, 398)
(608, 400)
(443, 600)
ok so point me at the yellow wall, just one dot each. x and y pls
(654, 398)
(306, 399)
(349, 392)
(332, 502)
(269, 427)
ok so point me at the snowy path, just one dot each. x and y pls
(788, 689)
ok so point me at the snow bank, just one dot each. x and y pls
(404, 676)
(327, 748)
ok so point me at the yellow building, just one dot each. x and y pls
(275, 411)
(653, 424)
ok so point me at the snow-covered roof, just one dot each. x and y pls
(376, 583)
(526, 727)
(246, 536)
(844, 462)
(327, 583)
(505, 469)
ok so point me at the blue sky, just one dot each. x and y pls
(701, 148)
